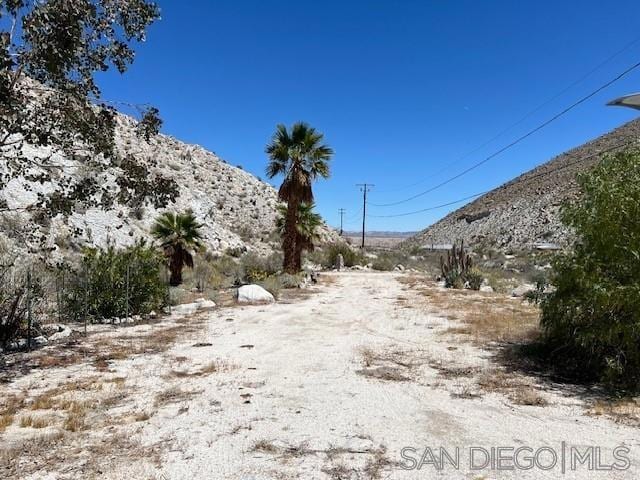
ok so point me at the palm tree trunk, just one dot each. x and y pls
(291, 253)
(176, 272)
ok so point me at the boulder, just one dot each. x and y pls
(522, 290)
(60, 334)
(39, 341)
(254, 294)
(184, 309)
(204, 303)
(486, 288)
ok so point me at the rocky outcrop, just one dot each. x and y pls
(237, 209)
(525, 212)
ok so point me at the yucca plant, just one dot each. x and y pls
(179, 236)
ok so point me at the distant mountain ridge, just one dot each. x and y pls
(524, 212)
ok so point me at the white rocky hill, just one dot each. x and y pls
(237, 209)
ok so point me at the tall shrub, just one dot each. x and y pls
(592, 320)
(113, 282)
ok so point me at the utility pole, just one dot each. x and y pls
(342, 212)
(364, 188)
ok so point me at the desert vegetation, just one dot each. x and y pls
(300, 157)
(591, 319)
(179, 234)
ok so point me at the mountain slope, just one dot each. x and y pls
(237, 209)
(525, 211)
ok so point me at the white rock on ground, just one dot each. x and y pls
(522, 290)
(254, 294)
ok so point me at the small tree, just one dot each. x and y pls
(592, 320)
(179, 235)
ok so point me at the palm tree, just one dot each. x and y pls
(300, 157)
(307, 228)
(179, 234)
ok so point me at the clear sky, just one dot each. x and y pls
(401, 89)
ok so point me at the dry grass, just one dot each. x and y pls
(6, 420)
(517, 388)
(389, 364)
(389, 374)
(175, 395)
(36, 447)
(142, 416)
(265, 446)
(626, 410)
(528, 396)
(74, 423)
(9, 406)
(216, 366)
(485, 317)
(30, 421)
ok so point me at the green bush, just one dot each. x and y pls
(383, 263)
(592, 320)
(256, 268)
(288, 280)
(474, 278)
(272, 284)
(112, 281)
(351, 257)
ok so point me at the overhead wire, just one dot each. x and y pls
(527, 178)
(517, 140)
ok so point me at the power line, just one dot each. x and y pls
(517, 141)
(525, 117)
(528, 178)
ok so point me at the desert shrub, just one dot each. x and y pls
(453, 279)
(288, 280)
(272, 285)
(383, 263)
(236, 252)
(351, 256)
(203, 273)
(256, 268)
(13, 302)
(457, 268)
(592, 320)
(99, 286)
(474, 279)
(227, 271)
(178, 295)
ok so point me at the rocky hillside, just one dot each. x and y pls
(237, 209)
(524, 213)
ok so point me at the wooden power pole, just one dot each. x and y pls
(342, 212)
(364, 188)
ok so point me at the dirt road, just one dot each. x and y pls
(332, 386)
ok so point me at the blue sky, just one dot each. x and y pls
(401, 89)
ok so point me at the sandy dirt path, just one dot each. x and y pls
(334, 386)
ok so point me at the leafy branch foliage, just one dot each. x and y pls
(50, 51)
(112, 282)
(592, 320)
